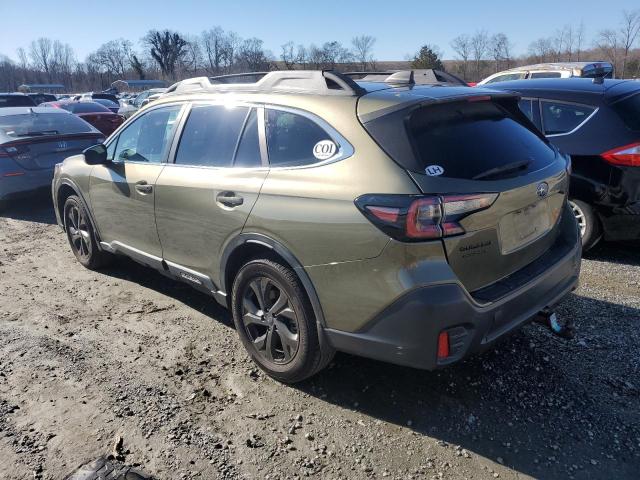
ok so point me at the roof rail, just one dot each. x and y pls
(320, 82)
(427, 76)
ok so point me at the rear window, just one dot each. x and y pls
(16, 101)
(629, 110)
(105, 96)
(85, 107)
(470, 139)
(38, 124)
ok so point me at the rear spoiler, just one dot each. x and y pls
(473, 95)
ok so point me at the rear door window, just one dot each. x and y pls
(560, 118)
(295, 140)
(526, 105)
(211, 135)
(468, 139)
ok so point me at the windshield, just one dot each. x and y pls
(39, 124)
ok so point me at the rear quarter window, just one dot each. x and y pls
(559, 118)
(292, 138)
(629, 111)
(468, 139)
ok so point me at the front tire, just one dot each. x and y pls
(275, 322)
(588, 223)
(81, 235)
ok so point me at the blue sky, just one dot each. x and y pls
(400, 27)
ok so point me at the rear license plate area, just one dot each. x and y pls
(524, 226)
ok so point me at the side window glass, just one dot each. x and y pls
(294, 140)
(527, 108)
(563, 117)
(148, 138)
(111, 149)
(210, 135)
(248, 154)
(545, 75)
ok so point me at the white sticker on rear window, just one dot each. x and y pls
(434, 170)
(324, 149)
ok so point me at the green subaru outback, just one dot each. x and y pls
(383, 217)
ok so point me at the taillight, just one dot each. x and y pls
(628, 156)
(8, 151)
(415, 218)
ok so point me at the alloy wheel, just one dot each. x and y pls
(78, 228)
(270, 320)
(580, 217)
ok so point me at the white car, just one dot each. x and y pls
(553, 70)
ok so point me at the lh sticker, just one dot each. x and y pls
(434, 170)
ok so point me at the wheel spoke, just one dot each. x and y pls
(281, 302)
(259, 342)
(269, 344)
(257, 290)
(288, 339)
(250, 318)
(288, 313)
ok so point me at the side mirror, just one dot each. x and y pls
(96, 155)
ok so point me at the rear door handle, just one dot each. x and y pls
(143, 187)
(229, 199)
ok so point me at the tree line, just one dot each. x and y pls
(171, 56)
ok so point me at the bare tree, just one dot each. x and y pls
(166, 48)
(252, 55)
(288, 55)
(479, 47)
(232, 45)
(579, 40)
(541, 50)
(301, 56)
(192, 59)
(40, 52)
(138, 67)
(363, 49)
(214, 43)
(114, 56)
(500, 49)
(628, 35)
(462, 46)
(607, 42)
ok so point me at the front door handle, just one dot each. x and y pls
(143, 187)
(229, 199)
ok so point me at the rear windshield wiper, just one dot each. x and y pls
(508, 168)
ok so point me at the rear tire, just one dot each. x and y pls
(275, 322)
(81, 235)
(588, 223)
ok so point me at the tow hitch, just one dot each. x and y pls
(550, 320)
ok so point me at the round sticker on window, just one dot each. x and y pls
(324, 149)
(434, 170)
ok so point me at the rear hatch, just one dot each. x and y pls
(37, 140)
(500, 184)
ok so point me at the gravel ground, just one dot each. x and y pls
(129, 364)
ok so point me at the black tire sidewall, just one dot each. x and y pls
(92, 260)
(304, 361)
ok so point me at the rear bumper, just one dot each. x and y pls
(406, 332)
(21, 182)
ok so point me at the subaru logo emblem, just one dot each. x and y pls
(62, 145)
(542, 189)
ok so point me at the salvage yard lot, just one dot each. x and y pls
(86, 357)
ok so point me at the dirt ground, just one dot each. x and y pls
(86, 357)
